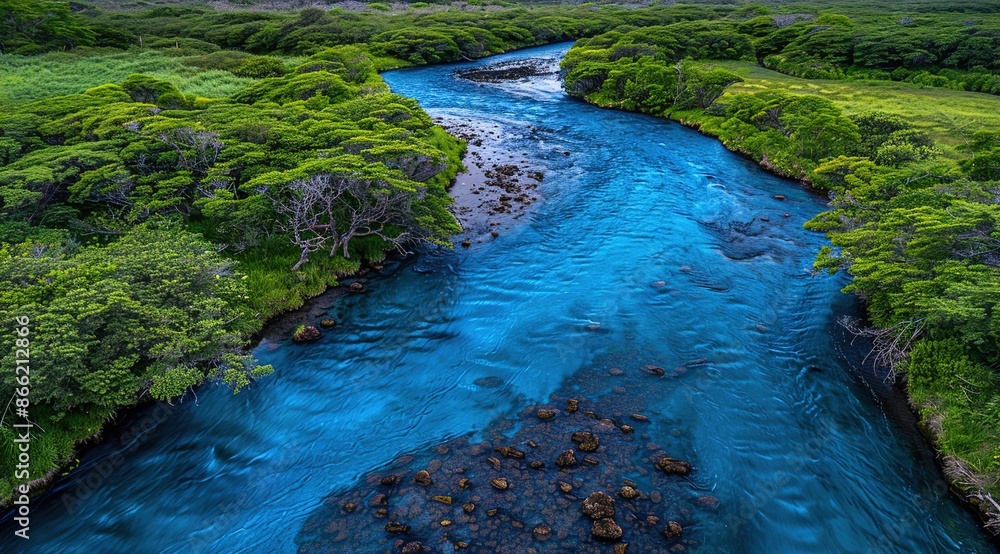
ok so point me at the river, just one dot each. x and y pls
(647, 229)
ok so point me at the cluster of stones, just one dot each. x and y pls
(513, 483)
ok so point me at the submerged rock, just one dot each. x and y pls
(655, 370)
(708, 501)
(546, 414)
(422, 477)
(607, 530)
(327, 323)
(542, 531)
(588, 441)
(510, 452)
(599, 505)
(500, 483)
(397, 528)
(628, 493)
(673, 530)
(671, 466)
(567, 459)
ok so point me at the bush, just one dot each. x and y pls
(259, 67)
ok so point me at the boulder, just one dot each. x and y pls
(606, 530)
(307, 333)
(628, 493)
(588, 441)
(671, 466)
(500, 483)
(567, 459)
(546, 414)
(673, 530)
(422, 477)
(598, 506)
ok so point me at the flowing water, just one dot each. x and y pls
(804, 447)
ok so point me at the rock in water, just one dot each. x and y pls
(397, 528)
(567, 459)
(598, 506)
(413, 548)
(672, 531)
(655, 370)
(327, 323)
(356, 287)
(708, 501)
(307, 333)
(572, 405)
(500, 483)
(422, 477)
(510, 452)
(606, 530)
(671, 466)
(588, 441)
(542, 531)
(546, 414)
(628, 493)
(389, 480)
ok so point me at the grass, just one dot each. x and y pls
(53, 442)
(29, 78)
(948, 116)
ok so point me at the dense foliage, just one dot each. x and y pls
(147, 233)
(919, 233)
(202, 170)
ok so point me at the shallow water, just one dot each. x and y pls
(805, 449)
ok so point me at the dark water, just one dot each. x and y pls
(805, 452)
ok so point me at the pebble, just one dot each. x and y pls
(546, 414)
(500, 483)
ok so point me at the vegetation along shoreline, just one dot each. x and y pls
(222, 167)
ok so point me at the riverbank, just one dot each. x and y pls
(976, 489)
(972, 487)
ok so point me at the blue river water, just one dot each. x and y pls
(805, 448)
